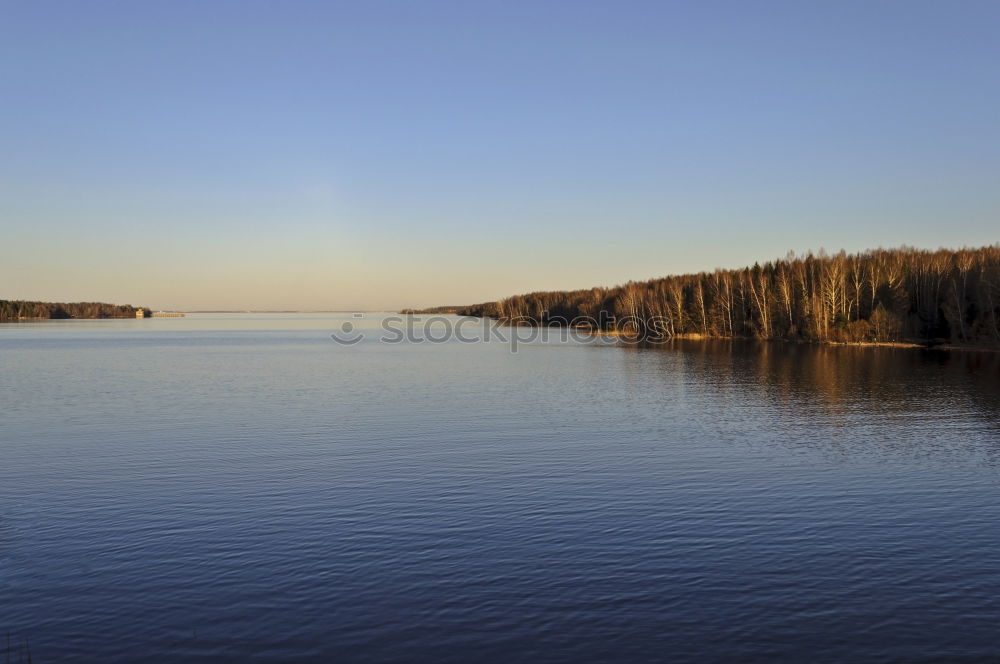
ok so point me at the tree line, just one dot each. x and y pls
(16, 309)
(883, 295)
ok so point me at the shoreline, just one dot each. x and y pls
(24, 318)
(697, 336)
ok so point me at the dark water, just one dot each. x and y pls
(240, 487)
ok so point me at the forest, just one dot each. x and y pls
(879, 296)
(17, 309)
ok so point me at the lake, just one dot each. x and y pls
(232, 486)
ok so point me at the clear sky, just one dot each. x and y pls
(366, 155)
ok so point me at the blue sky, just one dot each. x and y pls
(366, 155)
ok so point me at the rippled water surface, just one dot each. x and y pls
(222, 487)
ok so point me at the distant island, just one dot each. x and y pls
(21, 310)
(882, 296)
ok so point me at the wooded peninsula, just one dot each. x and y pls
(879, 296)
(20, 309)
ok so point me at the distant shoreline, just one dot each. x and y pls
(14, 310)
(433, 310)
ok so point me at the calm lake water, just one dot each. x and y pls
(228, 487)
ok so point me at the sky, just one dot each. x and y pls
(376, 155)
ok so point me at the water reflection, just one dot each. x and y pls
(890, 399)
